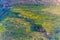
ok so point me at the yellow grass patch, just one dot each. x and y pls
(53, 10)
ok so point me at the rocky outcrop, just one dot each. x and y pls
(45, 2)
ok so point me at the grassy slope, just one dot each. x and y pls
(41, 15)
(40, 18)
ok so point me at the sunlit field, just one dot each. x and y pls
(30, 22)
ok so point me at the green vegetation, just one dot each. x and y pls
(19, 28)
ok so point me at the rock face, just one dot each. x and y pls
(46, 2)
